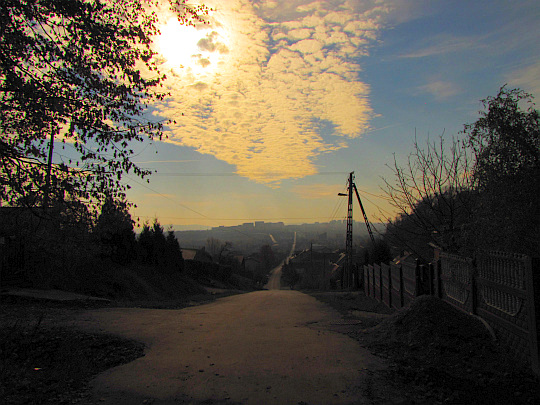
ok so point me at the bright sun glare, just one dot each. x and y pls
(179, 45)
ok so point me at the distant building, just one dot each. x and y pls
(197, 255)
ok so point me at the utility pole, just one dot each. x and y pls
(48, 174)
(348, 242)
(347, 279)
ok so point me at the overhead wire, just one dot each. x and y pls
(168, 198)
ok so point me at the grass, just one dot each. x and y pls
(51, 365)
(44, 364)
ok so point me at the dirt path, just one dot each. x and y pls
(266, 347)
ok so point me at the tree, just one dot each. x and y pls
(145, 244)
(159, 251)
(506, 144)
(432, 194)
(78, 72)
(114, 231)
(378, 252)
(175, 258)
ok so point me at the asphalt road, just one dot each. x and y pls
(274, 281)
(265, 347)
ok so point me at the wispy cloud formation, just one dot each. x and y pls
(444, 44)
(266, 75)
(526, 78)
(440, 89)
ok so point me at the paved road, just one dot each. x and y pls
(265, 347)
(274, 281)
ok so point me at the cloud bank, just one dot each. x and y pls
(273, 85)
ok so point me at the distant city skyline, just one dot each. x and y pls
(275, 102)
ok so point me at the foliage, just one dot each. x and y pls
(506, 143)
(114, 231)
(174, 253)
(490, 201)
(158, 250)
(79, 72)
(378, 252)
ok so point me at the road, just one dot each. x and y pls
(274, 281)
(265, 347)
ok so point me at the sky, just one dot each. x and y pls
(275, 102)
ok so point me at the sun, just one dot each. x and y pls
(189, 49)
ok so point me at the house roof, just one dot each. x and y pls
(189, 254)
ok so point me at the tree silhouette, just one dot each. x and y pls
(80, 73)
(506, 143)
(114, 231)
(432, 193)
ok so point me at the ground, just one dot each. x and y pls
(430, 359)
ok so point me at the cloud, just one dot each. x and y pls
(440, 89)
(443, 44)
(286, 66)
(527, 78)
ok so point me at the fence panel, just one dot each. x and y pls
(397, 285)
(378, 286)
(456, 281)
(410, 281)
(386, 285)
(505, 300)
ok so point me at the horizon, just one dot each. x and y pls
(198, 227)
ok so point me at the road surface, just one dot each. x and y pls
(265, 347)
(274, 281)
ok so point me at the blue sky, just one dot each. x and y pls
(281, 99)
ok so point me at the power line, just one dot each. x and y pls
(170, 199)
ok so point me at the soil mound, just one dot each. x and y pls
(433, 322)
(443, 355)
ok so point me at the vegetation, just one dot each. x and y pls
(506, 144)
(478, 192)
(80, 73)
(40, 364)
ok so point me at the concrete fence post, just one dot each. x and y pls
(533, 292)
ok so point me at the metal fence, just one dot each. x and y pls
(496, 286)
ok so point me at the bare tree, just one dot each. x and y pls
(433, 195)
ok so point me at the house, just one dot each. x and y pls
(198, 255)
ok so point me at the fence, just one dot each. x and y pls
(395, 284)
(498, 287)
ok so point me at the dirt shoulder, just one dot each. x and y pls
(437, 354)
